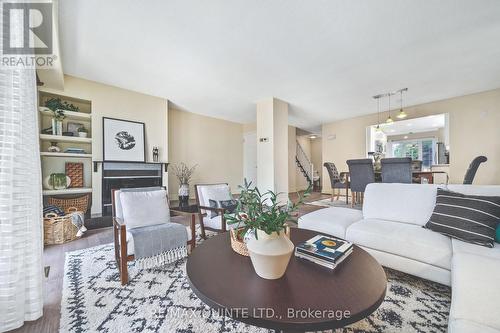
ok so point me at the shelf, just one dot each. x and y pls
(50, 154)
(61, 138)
(69, 114)
(68, 191)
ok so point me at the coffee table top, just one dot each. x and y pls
(307, 297)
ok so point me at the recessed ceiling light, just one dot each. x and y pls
(406, 136)
(313, 136)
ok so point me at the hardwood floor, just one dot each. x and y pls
(54, 256)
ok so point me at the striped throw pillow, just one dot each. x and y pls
(470, 218)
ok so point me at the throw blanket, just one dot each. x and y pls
(77, 219)
(159, 244)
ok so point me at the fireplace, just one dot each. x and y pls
(116, 175)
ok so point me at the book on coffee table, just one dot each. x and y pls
(323, 250)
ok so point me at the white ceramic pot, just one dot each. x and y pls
(82, 134)
(270, 254)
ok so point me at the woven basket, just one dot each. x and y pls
(240, 247)
(81, 203)
(59, 229)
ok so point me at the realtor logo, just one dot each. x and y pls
(27, 28)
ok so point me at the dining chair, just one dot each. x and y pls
(361, 173)
(338, 180)
(156, 212)
(471, 171)
(397, 170)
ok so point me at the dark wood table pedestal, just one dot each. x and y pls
(307, 298)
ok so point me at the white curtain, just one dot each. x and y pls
(21, 243)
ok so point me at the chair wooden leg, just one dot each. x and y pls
(202, 227)
(346, 195)
(123, 257)
(333, 194)
(338, 194)
(193, 231)
(353, 198)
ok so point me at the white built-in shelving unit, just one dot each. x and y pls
(54, 162)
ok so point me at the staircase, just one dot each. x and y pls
(304, 164)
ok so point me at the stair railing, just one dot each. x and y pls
(304, 163)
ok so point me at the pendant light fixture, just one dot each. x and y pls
(378, 113)
(389, 119)
(401, 114)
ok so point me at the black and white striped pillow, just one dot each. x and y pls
(470, 218)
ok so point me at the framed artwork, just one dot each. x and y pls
(73, 128)
(123, 140)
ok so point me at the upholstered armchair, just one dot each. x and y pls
(136, 208)
(338, 181)
(213, 201)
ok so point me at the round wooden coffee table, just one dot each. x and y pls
(307, 298)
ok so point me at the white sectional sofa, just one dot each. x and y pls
(390, 228)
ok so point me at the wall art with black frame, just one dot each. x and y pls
(123, 140)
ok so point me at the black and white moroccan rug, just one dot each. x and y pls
(160, 300)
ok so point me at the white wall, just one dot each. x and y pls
(109, 101)
(215, 145)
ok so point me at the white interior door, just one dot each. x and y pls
(250, 157)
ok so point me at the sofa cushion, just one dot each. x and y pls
(332, 221)
(144, 208)
(467, 326)
(463, 247)
(406, 203)
(470, 218)
(475, 297)
(406, 240)
(488, 190)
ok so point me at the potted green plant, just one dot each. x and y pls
(262, 218)
(82, 132)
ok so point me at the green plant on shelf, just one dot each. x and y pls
(83, 130)
(56, 104)
(58, 180)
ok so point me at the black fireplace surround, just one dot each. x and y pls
(117, 175)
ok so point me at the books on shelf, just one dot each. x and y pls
(325, 251)
(74, 150)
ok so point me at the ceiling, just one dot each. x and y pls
(416, 125)
(325, 58)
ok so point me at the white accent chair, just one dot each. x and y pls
(217, 192)
(135, 208)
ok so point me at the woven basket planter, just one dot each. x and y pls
(59, 229)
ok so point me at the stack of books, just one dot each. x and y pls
(74, 150)
(324, 251)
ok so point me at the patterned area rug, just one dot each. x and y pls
(160, 300)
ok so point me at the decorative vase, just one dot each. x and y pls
(184, 195)
(82, 134)
(270, 254)
(54, 148)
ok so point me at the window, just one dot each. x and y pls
(420, 149)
